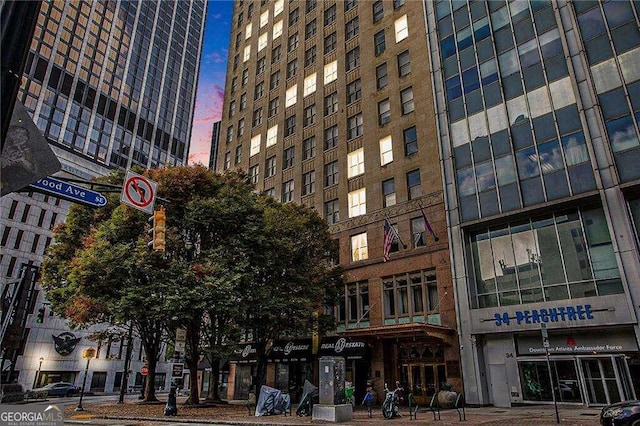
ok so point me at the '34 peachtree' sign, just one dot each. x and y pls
(544, 315)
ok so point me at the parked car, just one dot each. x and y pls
(59, 389)
(625, 413)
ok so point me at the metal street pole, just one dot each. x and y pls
(35, 379)
(88, 354)
(545, 343)
(127, 359)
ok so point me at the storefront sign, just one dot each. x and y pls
(597, 341)
(290, 350)
(245, 354)
(341, 346)
(534, 316)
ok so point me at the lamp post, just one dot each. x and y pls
(87, 354)
(35, 379)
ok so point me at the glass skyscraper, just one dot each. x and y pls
(110, 85)
(538, 111)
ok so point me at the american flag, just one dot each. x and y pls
(389, 239)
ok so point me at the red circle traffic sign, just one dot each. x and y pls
(139, 191)
(144, 370)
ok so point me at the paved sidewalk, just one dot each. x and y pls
(224, 414)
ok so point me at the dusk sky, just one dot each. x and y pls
(213, 68)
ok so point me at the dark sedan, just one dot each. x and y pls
(625, 413)
(58, 389)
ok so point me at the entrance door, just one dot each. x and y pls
(601, 382)
(423, 380)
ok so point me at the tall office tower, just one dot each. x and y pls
(328, 104)
(538, 106)
(215, 141)
(110, 85)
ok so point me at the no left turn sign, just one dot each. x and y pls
(139, 192)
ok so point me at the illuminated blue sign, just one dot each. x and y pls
(535, 316)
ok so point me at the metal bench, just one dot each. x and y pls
(459, 405)
(413, 408)
(251, 403)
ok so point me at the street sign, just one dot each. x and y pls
(139, 192)
(68, 191)
(177, 370)
(545, 335)
(144, 370)
(180, 347)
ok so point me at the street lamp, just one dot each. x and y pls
(35, 380)
(87, 354)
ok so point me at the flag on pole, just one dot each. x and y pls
(428, 225)
(389, 239)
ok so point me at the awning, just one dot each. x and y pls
(245, 353)
(342, 346)
(438, 332)
(290, 351)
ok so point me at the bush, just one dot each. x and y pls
(12, 392)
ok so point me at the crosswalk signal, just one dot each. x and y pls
(159, 230)
(40, 316)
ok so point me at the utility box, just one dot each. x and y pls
(332, 380)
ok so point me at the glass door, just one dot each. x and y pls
(422, 380)
(600, 381)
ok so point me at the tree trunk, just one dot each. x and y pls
(150, 333)
(150, 388)
(193, 335)
(213, 394)
(261, 370)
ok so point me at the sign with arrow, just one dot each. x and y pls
(68, 191)
(139, 192)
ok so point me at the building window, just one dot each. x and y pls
(243, 101)
(353, 59)
(255, 145)
(234, 84)
(330, 15)
(290, 125)
(273, 106)
(229, 134)
(257, 117)
(378, 11)
(238, 154)
(289, 157)
(310, 56)
(245, 76)
(227, 161)
(247, 53)
(292, 44)
(355, 161)
(410, 140)
(232, 108)
(358, 202)
(384, 112)
(248, 30)
(359, 247)
(291, 96)
(277, 7)
(294, 15)
(270, 166)
(350, 4)
(330, 72)
(287, 191)
(406, 98)
(309, 84)
(236, 59)
(330, 137)
(355, 307)
(331, 104)
(275, 54)
(253, 174)
(274, 81)
(386, 150)
(402, 28)
(309, 146)
(414, 185)
(381, 76)
(388, 192)
(331, 212)
(331, 173)
(277, 29)
(241, 127)
(292, 68)
(404, 64)
(238, 40)
(264, 18)
(352, 28)
(309, 117)
(379, 43)
(272, 135)
(311, 4)
(310, 29)
(263, 40)
(354, 91)
(330, 43)
(258, 91)
(410, 294)
(418, 232)
(354, 125)
(260, 65)
(309, 183)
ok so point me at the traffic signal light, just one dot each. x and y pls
(40, 316)
(159, 229)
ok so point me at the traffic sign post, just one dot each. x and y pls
(545, 343)
(70, 192)
(139, 192)
(144, 370)
(177, 370)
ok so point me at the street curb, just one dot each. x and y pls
(174, 419)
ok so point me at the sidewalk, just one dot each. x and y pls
(228, 414)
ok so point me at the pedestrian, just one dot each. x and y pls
(171, 409)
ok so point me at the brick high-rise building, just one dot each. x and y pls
(329, 104)
(110, 85)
